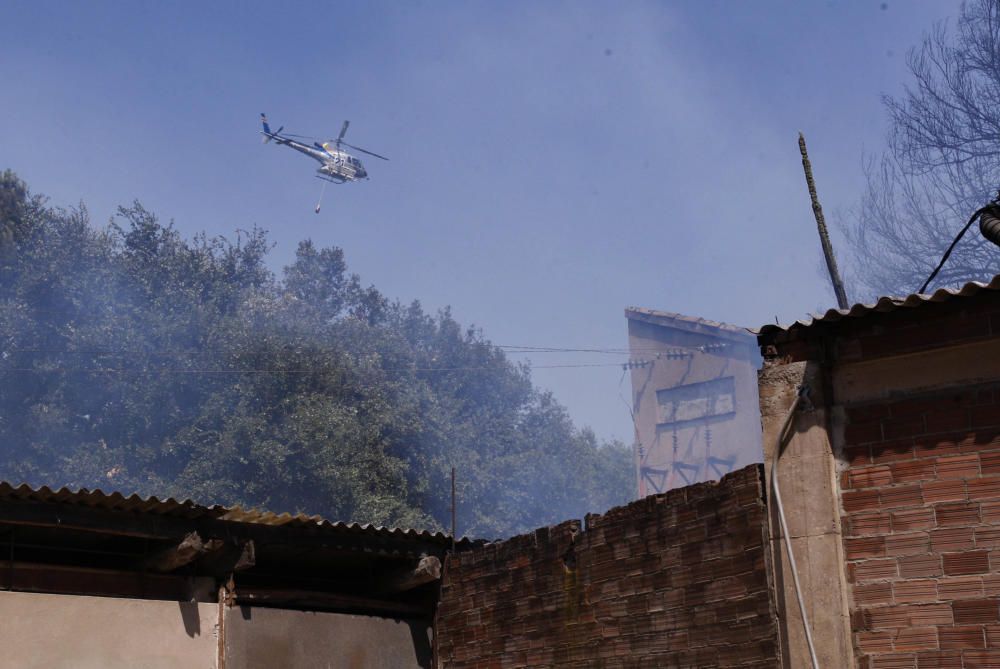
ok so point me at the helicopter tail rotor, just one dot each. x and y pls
(268, 135)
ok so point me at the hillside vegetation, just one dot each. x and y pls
(134, 360)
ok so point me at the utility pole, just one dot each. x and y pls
(824, 236)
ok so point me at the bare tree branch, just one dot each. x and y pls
(943, 163)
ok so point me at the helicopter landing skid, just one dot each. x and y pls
(330, 179)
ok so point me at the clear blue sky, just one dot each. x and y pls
(551, 164)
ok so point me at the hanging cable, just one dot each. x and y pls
(779, 446)
(994, 206)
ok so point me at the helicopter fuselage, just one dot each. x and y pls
(335, 164)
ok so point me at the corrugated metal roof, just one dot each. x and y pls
(885, 305)
(189, 510)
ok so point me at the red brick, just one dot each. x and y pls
(938, 445)
(982, 439)
(869, 594)
(863, 433)
(908, 615)
(872, 570)
(901, 449)
(957, 514)
(990, 512)
(912, 591)
(907, 544)
(879, 641)
(953, 539)
(948, 420)
(993, 636)
(981, 659)
(984, 488)
(867, 412)
(988, 537)
(991, 585)
(920, 405)
(860, 500)
(908, 471)
(975, 611)
(920, 566)
(956, 638)
(857, 455)
(958, 466)
(948, 659)
(987, 395)
(986, 415)
(904, 495)
(858, 548)
(867, 524)
(989, 462)
(960, 587)
(870, 477)
(943, 491)
(899, 428)
(894, 661)
(916, 638)
(914, 519)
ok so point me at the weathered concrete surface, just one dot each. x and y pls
(807, 477)
(41, 631)
(883, 378)
(259, 638)
(724, 427)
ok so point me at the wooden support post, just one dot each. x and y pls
(315, 599)
(824, 235)
(428, 569)
(187, 551)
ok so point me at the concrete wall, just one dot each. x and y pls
(672, 580)
(807, 475)
(267, 638)
(41, 631)
(697, 414)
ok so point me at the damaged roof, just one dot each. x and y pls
(686, 323)
(882, 305)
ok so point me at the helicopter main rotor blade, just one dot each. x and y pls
(370, 153)
(343, 131)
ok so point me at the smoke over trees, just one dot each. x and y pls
(134, 360)
(943, 163)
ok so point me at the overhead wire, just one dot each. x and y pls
(178, 370)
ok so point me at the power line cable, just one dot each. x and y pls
(174, 370)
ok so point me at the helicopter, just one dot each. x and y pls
(336, 165)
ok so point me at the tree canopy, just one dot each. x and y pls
(136, 360)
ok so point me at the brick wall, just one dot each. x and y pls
(921, 520)
(678, 579)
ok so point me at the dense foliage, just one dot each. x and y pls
(135, 360)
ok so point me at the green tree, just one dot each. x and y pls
(136, 360)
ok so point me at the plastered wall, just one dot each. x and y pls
(42, 631)
(268, 638)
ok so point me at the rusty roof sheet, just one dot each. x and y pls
(187, 509)
(884, 305)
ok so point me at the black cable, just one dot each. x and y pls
(947, 253)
